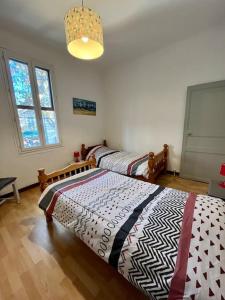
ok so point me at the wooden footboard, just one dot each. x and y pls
(75, 168)
(157, 164)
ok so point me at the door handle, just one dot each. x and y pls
(189, 134)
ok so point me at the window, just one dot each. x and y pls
(32, 96)
(46, 105)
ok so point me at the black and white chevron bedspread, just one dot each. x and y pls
(126, 163)
(169, 244)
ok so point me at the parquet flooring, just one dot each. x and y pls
(47, 262)
(186, 185)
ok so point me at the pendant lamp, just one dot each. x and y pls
(84, 33)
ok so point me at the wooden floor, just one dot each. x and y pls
(178, 183)
(41, 262)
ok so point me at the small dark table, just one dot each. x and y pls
(215, 190)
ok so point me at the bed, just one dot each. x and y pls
(145, 167)
(168, 243)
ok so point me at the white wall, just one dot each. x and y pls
(145, 101)
(146, 97)
(72, 79)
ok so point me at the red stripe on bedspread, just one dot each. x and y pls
(130, 166)
(178, 281)
(51, 207)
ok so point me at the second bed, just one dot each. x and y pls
(146, 167)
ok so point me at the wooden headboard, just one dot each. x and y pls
(47, 178)
(85, 151)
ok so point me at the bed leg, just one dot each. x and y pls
(94, 163)
(83, 152)
(43, 180)
(165, 156)
(151, 168)
(151, 179)
(48, 218)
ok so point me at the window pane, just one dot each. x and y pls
(43, 87)
(21, 82)
(50, 127)
(28, 125)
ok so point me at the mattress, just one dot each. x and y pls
(122, 162)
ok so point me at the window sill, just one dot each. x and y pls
(40, 150)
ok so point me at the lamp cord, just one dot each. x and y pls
(82, 3)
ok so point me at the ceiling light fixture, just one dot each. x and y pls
(84, 33)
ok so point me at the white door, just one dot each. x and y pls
(204, 132)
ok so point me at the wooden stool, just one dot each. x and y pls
(5, 182)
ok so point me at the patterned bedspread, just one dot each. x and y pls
(121, 162)
(168, 243)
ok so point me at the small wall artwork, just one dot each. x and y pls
(84, 107)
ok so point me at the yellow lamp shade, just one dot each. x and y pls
(84, 34)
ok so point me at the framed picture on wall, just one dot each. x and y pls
(84, 107)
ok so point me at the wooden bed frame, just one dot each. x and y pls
(157, 163)
(47, 178)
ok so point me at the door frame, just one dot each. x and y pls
(190, 89)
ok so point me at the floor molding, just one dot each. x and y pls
(174, 173)
(8, 195)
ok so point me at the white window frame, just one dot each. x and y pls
(32, 63)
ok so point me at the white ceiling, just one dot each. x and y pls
(131, 27)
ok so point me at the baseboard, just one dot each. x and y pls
(26, 188)
(173, 173)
